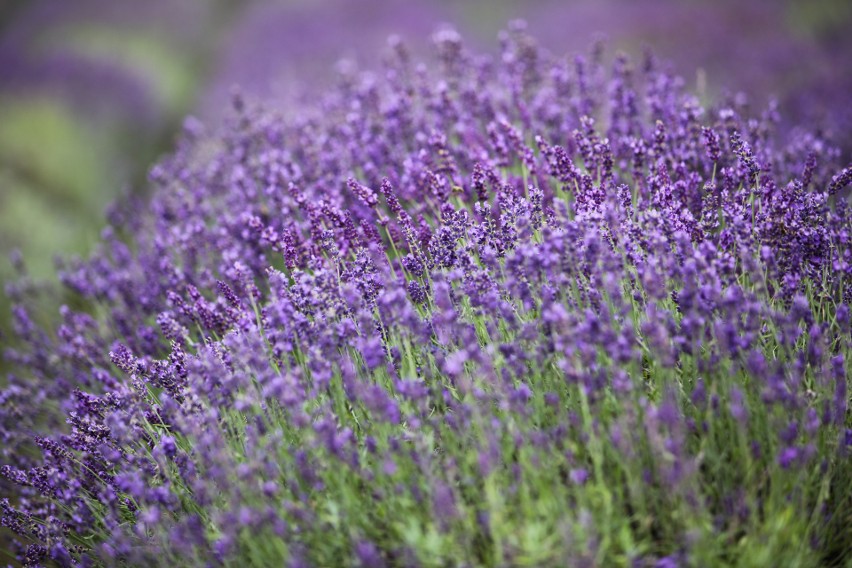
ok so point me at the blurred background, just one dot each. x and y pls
(93, 91)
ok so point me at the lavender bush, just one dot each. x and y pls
(532, 311)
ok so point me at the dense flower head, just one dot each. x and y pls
(508, 311)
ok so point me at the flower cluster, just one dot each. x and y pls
(521, 312)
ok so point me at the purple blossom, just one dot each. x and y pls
(563, 274)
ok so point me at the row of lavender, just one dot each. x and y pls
(513, 312)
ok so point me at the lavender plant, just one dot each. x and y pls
(531, 311)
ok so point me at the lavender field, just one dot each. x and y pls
(452, 306)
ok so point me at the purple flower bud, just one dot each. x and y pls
(788, 457)
(579, 476)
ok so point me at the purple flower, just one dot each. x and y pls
(422, 307)
(579, 476)
(167, 443)
(788, 457)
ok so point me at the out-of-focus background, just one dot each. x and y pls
(93, 91)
